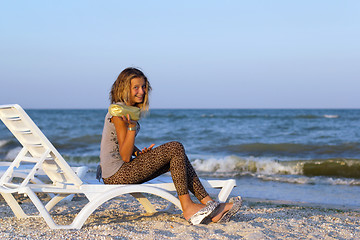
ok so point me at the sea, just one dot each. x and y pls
(301, 155)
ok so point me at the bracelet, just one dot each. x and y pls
(132, 128)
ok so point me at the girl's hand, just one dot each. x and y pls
(145, 150)
(128, 121)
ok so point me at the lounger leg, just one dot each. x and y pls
(226, 190)
(145, 202)
(41, 208)
(57, 199)
(14, 205)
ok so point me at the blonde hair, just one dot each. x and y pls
(120, 90)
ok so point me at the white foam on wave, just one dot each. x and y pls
(285, 179)
(226, 164)
(342, 181)
(207, 115)
(330, 116)
(271, 167)
(231, 164)
(11, 155)
(3, 142)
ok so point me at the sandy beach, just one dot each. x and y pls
(124, 218)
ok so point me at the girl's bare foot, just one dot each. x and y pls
(190, 211)
(227, 210)
(221, 210)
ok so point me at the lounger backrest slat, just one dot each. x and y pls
(37, 146)
(25, 136)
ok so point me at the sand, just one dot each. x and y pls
(124, 218)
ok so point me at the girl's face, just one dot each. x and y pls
(137, 91)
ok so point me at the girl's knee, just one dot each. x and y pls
(177, 146)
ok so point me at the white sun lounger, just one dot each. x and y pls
(38, 154)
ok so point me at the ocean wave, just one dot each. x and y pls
(307, 116)
(310, 180)
(345, 171)
(207, 115)
(8, 143)
(11, 155)
(77, 143)
(330, 116)
(234, 164)
(293, 149)
(78, 160)
(238, 114)
(232, 116)
(86, 139)
(312, 116)
(4, 142)
(332, 167)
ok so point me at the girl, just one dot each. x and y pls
(123, 163)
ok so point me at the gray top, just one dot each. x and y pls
(110, 159)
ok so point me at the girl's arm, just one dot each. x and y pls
(126, 137)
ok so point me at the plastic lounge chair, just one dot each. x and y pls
(38, 154)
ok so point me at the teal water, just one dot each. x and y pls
(300, 155)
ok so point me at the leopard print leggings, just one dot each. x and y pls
(169, 156)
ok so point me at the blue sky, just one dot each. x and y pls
(197, 54)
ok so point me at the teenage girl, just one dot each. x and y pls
(123, 163)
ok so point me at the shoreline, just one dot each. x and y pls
(302, 204)
(124, 218)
